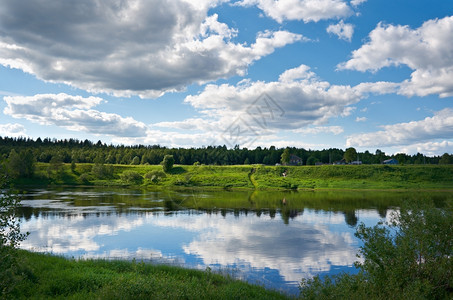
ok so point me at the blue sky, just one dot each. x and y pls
(307, 73)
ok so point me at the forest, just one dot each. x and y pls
(77, 151)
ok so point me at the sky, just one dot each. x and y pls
(316, 74)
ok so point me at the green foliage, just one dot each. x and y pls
(135, 160)
(101, 171)
(21, 164)
(10, 237)
(73, 166)
(89, 152)
(446, 159)
(56, 167)
(131, 177)
(167, 163)
(285, 157)
(350, 154)
(155, 175)
(56, 277)
(84, 178)
(311, 161)
(411, 257)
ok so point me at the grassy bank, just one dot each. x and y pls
(50, 277)
(256, 177)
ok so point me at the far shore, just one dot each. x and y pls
(246, 177)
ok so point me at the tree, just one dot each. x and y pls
(10, 238)
(350, 154)
(135, 160)
(73, 166)
(311, 161)
(446, 159)
(21, 164)
(285, 157)
(410, 257)
(56, 165)
(131, 177)
(167, 163)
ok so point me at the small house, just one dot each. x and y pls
(295, 160)
(355, 162)
(340, 162)
(391, 161)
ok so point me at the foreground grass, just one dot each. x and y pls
(51, 277)
(253, 177)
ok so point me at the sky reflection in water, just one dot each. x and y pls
(258, 247)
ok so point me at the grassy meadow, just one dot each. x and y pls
(51, 277)
(247, 177)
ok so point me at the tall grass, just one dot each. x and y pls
(255, 177)
(51, 277)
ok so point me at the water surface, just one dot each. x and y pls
(270, 238)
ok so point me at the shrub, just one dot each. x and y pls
(84, 178)
(155, 176)
(167, 163)
(409, 257)
(10, 237)
(101, 171)
(131, 177)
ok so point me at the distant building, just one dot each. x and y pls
(355, 162)
(391, 161)
(340, 162)
(295, 160)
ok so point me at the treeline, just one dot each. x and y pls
(77, 151)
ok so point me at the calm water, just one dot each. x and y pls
(270, 238)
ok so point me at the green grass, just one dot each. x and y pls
(256, 177)
(51, 277)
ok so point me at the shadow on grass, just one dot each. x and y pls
(177, 170)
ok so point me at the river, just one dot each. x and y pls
(269, 238)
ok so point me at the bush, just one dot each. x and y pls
(84, 178)
(101, 171)
(167, 163)
(155, 176)
(131, 177)
(10, 237)
(409, 257)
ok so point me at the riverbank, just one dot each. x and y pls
(247, 177)
(50, 277)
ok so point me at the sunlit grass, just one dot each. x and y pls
(255, 177)
(51, 277)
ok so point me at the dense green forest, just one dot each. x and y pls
(73, 150)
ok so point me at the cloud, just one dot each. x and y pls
(305, 10)
(361, 119)
(427, 50)
(336, 130)
(299, 98)
(73, 113)
(429, 148)
(357, 2)
(12, 130)
(440, 126)
(342, 30)
(126, 48)
(242, 241)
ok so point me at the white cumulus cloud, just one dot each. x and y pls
(299, 98)
(126, 47)
(439, 126)
(305, 10)
(336, 130)
(73, 113)
(12, 130)
(427, 50)
(357, 2)
(342, 30)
